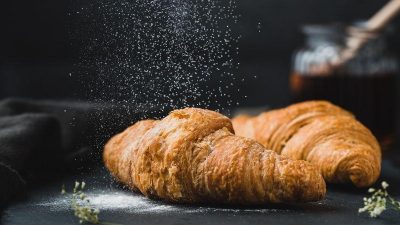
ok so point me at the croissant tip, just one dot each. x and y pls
(310, 187)
(315, 191)
(361, 178)
(361, 170)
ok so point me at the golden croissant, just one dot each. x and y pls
(329, 137)
(192, 156)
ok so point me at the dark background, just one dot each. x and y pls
(40, 47)
(37, 53)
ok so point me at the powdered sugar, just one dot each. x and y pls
(112, 201)
(138, 204)
(169, 54)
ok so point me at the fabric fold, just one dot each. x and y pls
(38, 138)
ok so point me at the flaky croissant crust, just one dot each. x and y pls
(192, 156)
(321, 133)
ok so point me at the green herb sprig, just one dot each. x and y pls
(379, 201)
(80, 203)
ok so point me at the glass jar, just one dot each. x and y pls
(364, 85)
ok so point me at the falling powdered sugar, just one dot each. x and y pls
(144, 58)
(164, 53)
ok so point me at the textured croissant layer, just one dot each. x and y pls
(321, 133)
(192, 156)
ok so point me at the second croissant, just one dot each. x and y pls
(319, 132)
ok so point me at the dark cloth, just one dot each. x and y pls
(38, 138)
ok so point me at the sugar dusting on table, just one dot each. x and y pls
(111, 201)
(137, 204)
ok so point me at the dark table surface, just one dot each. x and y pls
(45, 205)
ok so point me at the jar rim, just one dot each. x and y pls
(342, 30)
(335, 29)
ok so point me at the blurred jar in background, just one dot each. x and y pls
(364, 85)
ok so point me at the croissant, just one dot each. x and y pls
(192, 156)
(329, 137)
